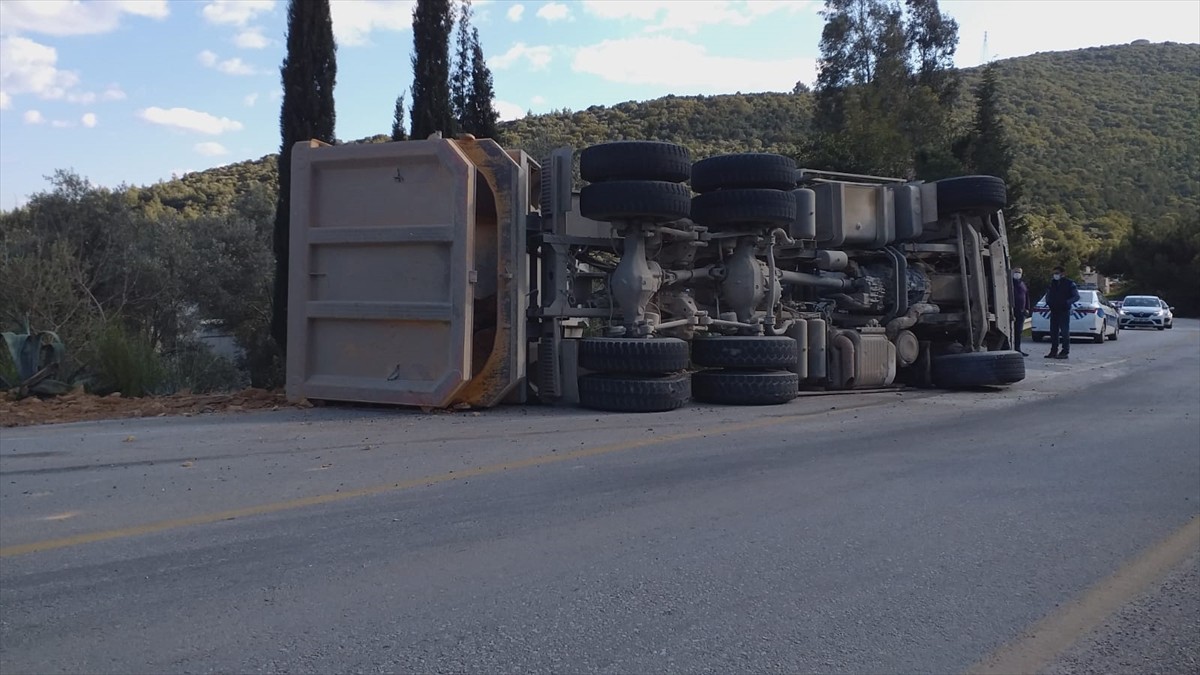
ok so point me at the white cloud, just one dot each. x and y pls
(235, 12)
(353, 22)
(655, 61)
(537, 56)
(27, 67)
(189, 120)
(155, 9)
(251, 38)
(553, 11)
(210, 149)
(1019, 27)
(690, 15)
(61, 124)
(515, 12)
(508, 111)
(73, 17)
(5, 100)
(89, 120)
(234, 66)
(250, 99)
(538, 100)
(33, 117)
(112, 93)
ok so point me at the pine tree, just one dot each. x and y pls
(481, 113)
(308, 75)
(398, 133)
(431, 107)
(460, 76)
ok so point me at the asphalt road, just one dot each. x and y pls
(1052, 526)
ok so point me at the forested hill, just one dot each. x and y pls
(1094, 130)
(1108, 127)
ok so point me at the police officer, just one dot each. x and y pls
(1020, 307)
(1061, 295)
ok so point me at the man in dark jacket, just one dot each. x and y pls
(1020, 307)
(1061, 295)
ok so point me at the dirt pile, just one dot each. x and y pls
(79, 406)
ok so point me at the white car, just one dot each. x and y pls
(1093, 316)
(1146, 311)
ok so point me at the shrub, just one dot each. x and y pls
(194, 366)
(127, 363)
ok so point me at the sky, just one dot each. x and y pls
(136, 91)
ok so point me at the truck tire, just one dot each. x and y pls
(652, 201)
(978, 369)
(1038, 337)
(970, 193)
(765, 351)
(734, 387)
(744, 170)
(725, 208)
(630, 393)
(635, 160)
(633, 355)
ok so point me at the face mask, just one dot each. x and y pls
(1056, 277)
(1016, 275)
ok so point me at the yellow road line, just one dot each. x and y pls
(275, 507)
(1053, 634)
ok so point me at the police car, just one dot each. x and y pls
(1093, 316)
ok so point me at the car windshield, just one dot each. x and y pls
(1141, 302)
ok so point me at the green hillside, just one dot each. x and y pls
(1094, 130)
(1106, 145)
(1107, 128)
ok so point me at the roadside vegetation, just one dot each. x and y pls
(1100, 147)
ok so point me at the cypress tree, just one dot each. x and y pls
(460, 77)
(398, 133)
(481, 113)
(431, 108)
(308, 75)
(989, 151)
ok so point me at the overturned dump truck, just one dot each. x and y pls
(456, 273)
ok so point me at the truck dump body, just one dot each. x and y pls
(395, 249)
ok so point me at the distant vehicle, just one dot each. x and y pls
(1093, 316)
(1146, 311)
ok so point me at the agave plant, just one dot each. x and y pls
(38, 357)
